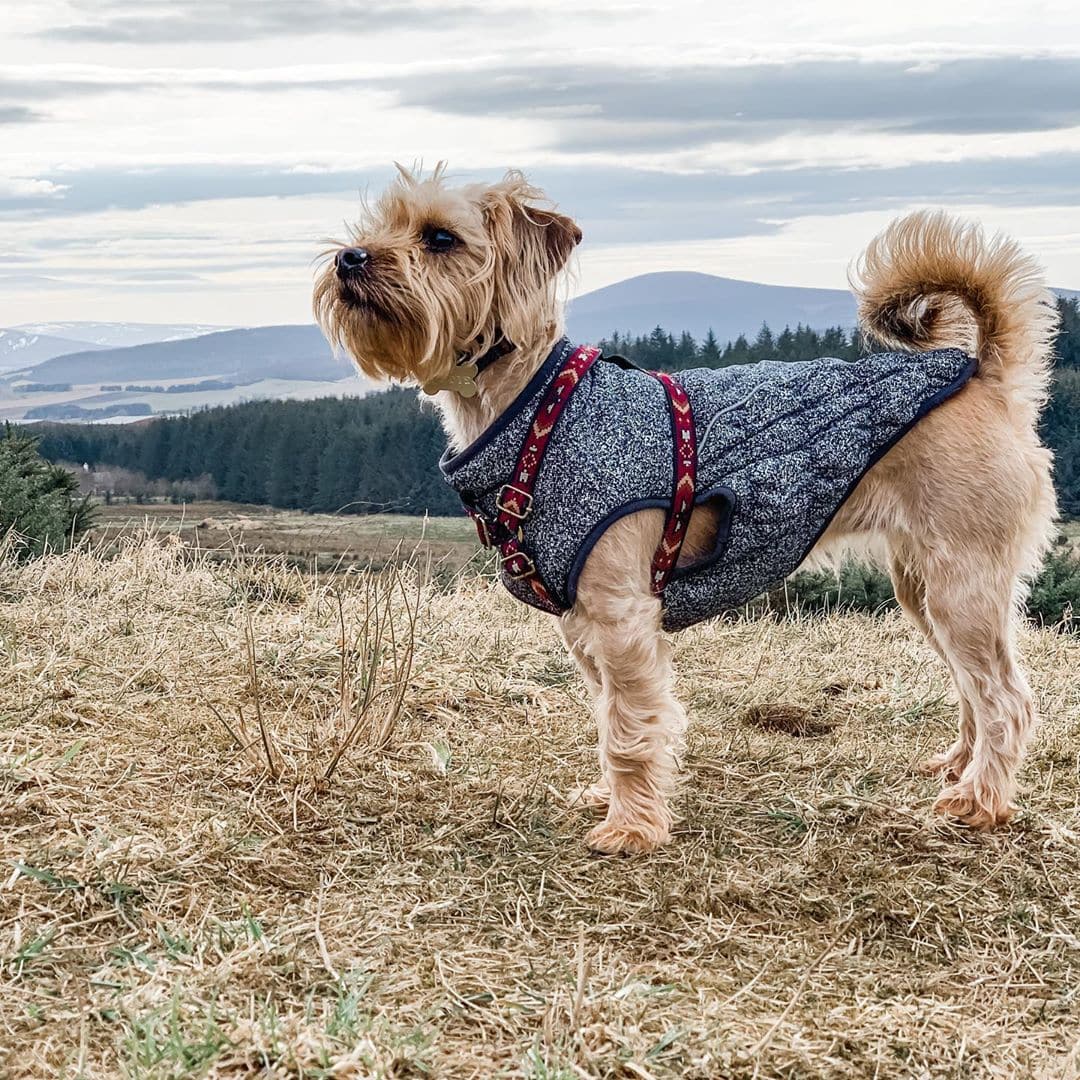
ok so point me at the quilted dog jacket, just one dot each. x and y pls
(780, 447)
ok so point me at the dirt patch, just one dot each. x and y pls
(794, 720)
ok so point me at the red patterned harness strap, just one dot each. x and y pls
(515, 501)
(685, 485)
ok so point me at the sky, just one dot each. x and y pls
(186, 161)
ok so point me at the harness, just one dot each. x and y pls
(515, 501)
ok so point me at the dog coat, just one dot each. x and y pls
(776, 447)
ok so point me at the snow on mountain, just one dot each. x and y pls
(109, 335)
(26, 348)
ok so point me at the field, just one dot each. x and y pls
(307, 541)
(186, 892)
(14, 406)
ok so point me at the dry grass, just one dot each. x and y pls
(168, 909)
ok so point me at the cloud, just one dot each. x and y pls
(615, 108)
(18, 114)
(158, 277)
(624, 108)
(53, 86)
(615, 204)
(139, 23)
(28, 190)
(93, 190)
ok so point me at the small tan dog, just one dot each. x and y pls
(961, 507)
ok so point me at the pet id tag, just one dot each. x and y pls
(462, 380)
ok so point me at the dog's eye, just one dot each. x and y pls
(439, 239)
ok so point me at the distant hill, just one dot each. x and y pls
(24, 348)
(264, 352)
(113, 335)
(682, 300)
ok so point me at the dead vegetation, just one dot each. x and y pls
(181, 899)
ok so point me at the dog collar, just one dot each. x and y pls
(462, 379)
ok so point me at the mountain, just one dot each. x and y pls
(23, 348)
(683, 300)
(109, 335)
(241, 356)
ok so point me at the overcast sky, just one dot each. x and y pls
(182, 161)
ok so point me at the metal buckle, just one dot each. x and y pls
(524, 497)
(529, 567)
(483, 531)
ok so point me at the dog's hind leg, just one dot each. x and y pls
(910, 590)
(973, 621)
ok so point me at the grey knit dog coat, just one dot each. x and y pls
(780, 447)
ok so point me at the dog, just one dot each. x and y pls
(456, 290)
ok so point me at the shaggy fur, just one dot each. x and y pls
(960, 510)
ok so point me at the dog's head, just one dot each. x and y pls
(432, 274)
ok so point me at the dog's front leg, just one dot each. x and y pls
(598, 793)
(615, 628)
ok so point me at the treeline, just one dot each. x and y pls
(380, 453)
(666, 352)
(348, 455)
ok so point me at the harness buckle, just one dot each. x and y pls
(520, 504)
(483, 530)
(526, 569)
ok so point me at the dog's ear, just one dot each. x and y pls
(515, 221)
(530, 246)
(560, 234)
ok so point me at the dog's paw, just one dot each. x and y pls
(626, 837)
(958, 801)
(597, 796)
(950, 764)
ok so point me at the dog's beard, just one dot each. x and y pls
(354, 297)
(406, 329)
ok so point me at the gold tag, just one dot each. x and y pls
(462, 380)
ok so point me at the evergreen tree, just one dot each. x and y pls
(764, 345)
(710, 351)
(40, 509)
(658, 350)
(1068, 340)
(686, 352)
(739, 352)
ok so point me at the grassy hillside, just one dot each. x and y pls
(170, 908)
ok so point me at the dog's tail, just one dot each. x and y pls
(930, 281)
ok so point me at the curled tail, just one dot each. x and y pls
(930, 281)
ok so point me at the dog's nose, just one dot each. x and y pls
(351, 261)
